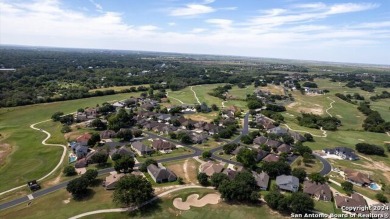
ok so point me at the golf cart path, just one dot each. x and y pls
(324, 134)
(143, 204)
(44, 143)
(330, 107)
(174, 98)
(196, 97)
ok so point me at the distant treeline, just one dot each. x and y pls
(374, 121)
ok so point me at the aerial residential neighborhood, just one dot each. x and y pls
(194, 109)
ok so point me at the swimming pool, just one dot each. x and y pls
(72, 158)
(374, 186)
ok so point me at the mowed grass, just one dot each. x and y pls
(163, 208)
(314, 167)
(30, 159)
(185, 95)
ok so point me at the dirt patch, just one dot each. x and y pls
(66, 201)
(376, 165)
(198, 117)
(5, 149)
(186, 170)
(193, 200)
(361, 139)
(316, 111)
(72, 135)
(339, 116)
(291, 105)
(54, 181)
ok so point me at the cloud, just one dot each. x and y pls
(171, 24)
(222, 23)
(289, 32)
(192, 10)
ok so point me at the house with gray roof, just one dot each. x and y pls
(262, 180)
(122, 151)
(287, 183)
(141, 149)
(81, 151)
(161, 174)
(279, 131)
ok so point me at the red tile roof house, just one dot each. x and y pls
(83, 139)
(317, 190)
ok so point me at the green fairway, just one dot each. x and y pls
(185, 95)
(30, 159)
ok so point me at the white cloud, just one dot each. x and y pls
(198, 30)
(281, 33)
(172, 24)
(192, 10)
(350, 7)
(97, 6)
(222, 23)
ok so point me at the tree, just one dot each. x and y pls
(347, 187)
(307, 158)
(100, 158)
(303, 149)
(316, 177)
(98, 124)
(242, 188)
(125, 134)
(180, 181)
(300, 173)
(203, 179)
(133, 191)
(287, 139)
(214, 107)
(137, 133)
(66, 129)
(90, 175)
(254, 104)
(69, 171)
(145, 164)
(78, 187)
(301, 203)
(274, 169)
(124, 164)
(206, 155)
(186, 139)
(370, 149)
(246, 139)
(95, 138)
(173, 135)
(229, 148)
(273, 198)
(217, 178)
(246, 157)
(57, 116)
(308, 137)
(381, 197)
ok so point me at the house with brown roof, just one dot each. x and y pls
(355, 200)
(262, 180)
(209, 168)
(317, 190)
(81, 163)
(356, 177)
(107, 134)
(160, 144)
(284, 148)
(261, 154)
(260, 140)
(271, 158)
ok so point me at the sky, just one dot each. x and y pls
(336, 30)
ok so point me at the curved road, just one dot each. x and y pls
(44, 143)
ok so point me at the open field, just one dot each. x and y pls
(185, 95)
(186, 169)
(117, 88)
(30, 159)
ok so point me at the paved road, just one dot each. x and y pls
(327, 167)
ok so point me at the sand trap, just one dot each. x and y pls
(193, 200)
(66, 201)
(339, 116)
(361, 139)
(317, 111)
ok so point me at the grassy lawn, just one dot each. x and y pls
(210, 144)
(30, 159)
(186, 169)
(185, 95)
(314, 167)
(206, 117)
(324, 207)
(157, 156)
(63, 206)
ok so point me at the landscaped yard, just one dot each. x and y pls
(158, 155)
(314, 167)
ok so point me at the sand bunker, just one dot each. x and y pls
(317, 111)
(193, 200)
